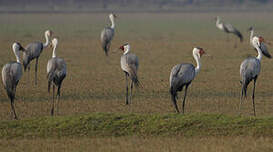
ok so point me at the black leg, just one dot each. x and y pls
(36, 69)
(53, 94)
(183, 104)
(131, 91)
(13, 109)
(241, 98)
(253, 96)
(126, 98)
(58, 98)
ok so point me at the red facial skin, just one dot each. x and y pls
(121, 47)
(261, 39)
(201, 52)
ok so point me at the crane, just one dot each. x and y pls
(56, 72)
(129, 64)
(250, 69)
(228, 28)
(182, 75)
(33, 51)
(11, 75)
(107, 34)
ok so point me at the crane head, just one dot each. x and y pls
(200, 51)
(17, 46)
(261, 39)
(48, 33)
(112, 15)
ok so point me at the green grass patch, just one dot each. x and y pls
(109, 124)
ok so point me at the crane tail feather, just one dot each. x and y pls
(239, 35)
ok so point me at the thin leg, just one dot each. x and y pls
(28, 71)
(57, 104)
(126, 98)
(36, 69)
(241, 99)
(253, 96)
(13, 109)
(58, 99)
(53, 94)
(131, 91)
(183, 105)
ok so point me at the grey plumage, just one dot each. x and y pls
(129, 64)
(56, 72)
(33, 51)
(249, 70)
(182, 75)
(107, 35)
(228, 28)
(11, 74)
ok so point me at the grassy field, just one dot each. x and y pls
(96, 84)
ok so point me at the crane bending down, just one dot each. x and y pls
(11, 74)
(228, 28)
(33, 51)
(182, 75)
(107, 34)
(56, 72)
(250, 69)
(129, 64)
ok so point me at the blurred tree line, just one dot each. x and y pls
(127, 4)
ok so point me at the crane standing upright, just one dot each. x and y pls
(107, 34)
(56, 72)
(129, 64)
(182, 75)
(250, 69)
(11, 74)
(33, 51)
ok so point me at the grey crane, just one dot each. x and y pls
(11, 74)
(107, 34)
(182, 75)
(129, 64)
(33, 51)
(56, 72)
(250, 69)
(228, 28)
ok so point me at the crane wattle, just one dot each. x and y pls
(261, 39)
(121, 47)
(201, 52)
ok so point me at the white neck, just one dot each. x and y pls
(260, 54)
(54, 51)
(47, 41)
(112, 22)
(251, 35)
(17, 55)
(126, 51)
(198, 66)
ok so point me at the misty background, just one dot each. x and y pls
(133, 5)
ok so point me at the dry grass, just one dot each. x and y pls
(96, 84)
(136, 144)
